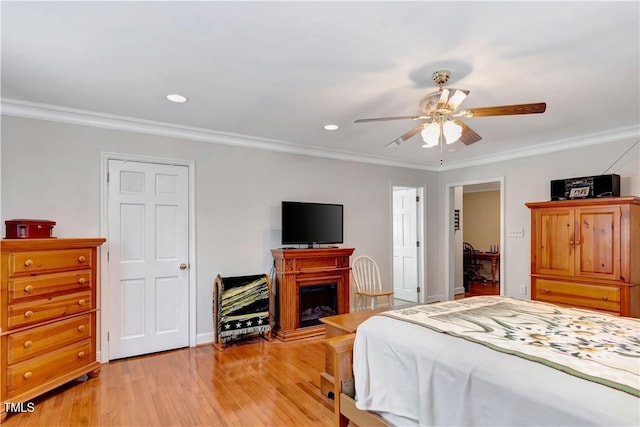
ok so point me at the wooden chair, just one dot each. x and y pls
(471, 266)
(366, 277)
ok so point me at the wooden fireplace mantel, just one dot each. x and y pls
(296, 268)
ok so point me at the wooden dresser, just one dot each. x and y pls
(47, 315)
(586, 253)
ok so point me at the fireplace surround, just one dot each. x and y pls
(304, 275)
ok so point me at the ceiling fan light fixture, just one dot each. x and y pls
(451, 131)
(431, 135)
(440, 108)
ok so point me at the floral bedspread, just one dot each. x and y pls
(595, 346)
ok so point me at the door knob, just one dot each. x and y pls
(183, 266)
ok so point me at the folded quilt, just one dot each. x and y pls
(243, 306)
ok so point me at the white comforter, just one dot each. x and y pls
(414, 376)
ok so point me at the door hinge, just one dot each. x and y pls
(418, 243)
(107, 177)
(108, 336)
(417, 198)
(418, 289)
(107, 255)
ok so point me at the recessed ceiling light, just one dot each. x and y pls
(174, 97)
(331, 127)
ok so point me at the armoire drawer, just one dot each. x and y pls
(21, 288)
(34, 311)
(579, 294)
(36, 371)
(44, 339)
(42, 261)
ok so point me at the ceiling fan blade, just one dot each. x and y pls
(469, 136)
(381, 119)
(506, 110)
(406, 136)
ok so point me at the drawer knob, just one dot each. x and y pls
(605, 298)
(28, 344)
(27, 375)
(28, 263)
(80, 354)
(28, 289)
(81, 302)
(81, 280)
(28, 314)
(80, 328)
(81, 259)
(547, 291)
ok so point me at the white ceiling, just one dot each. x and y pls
(273, 73)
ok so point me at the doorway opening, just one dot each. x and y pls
(483, 203)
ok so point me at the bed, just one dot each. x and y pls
(488, 360)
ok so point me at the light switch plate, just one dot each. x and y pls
(516, 233)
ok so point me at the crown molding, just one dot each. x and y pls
(55, 113)
(610, 135)
(33, 110)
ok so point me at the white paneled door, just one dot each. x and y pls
(148, 258)
(405, 244)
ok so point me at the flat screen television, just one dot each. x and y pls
(311, 223)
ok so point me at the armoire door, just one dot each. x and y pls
(554, 249)
(597, 242)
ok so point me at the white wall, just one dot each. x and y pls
(527, 180)
(52, 171)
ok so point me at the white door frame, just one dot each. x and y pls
(449, 276)
(103, 323)
(421, 232)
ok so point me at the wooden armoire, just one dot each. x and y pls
(586, 253)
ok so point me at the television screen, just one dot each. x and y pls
(309, 223)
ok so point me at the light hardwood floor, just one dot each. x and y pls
(252, 383)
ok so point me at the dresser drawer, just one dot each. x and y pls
(54, 260)
(34, 311)
(36, 371)
(578, 294)
(43, 339)
(34, 286)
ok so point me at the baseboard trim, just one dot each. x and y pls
(204, 338)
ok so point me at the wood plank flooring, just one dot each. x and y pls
(251, 383)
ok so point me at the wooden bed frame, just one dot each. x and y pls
(340, 349)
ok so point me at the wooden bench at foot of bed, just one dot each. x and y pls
(340, 349)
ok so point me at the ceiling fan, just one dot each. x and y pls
(440, 116)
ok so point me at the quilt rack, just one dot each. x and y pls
(241, 308)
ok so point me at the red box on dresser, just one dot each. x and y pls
(29, 228)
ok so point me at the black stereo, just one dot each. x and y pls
(586, 187)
